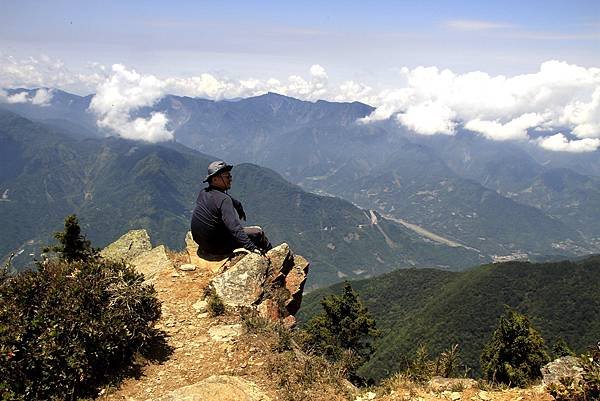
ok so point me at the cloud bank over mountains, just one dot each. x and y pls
(561, 99)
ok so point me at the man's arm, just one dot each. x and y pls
(232, 222)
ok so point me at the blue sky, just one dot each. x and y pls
(360, 40)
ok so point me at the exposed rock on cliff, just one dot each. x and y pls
(567, 367)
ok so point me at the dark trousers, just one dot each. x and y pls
(258, 238)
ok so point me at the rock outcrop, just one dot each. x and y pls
(562, 368)
(205, 347)
(272, 283)
(128, 246)
(243, 283)
(135, 249)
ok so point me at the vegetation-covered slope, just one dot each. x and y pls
(439, 309)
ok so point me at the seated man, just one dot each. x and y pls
(216, 226)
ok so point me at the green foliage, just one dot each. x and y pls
(438, 308)
(515, 353)
(69, 327)
(72, 245)
(421, 368)
(448, 362)
(215, 304)
(561, 348)
(586, 389)
(344, 332)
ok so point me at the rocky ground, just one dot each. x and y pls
(230, 357)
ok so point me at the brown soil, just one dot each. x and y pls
(191, 354)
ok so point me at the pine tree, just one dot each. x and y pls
(72, 244)
(343, 332)
(515, 353)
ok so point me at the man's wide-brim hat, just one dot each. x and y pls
(216, 168)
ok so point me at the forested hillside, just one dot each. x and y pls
(438, 309)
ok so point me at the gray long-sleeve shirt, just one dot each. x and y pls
(216, 227)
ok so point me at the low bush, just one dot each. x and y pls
(215, 305)
(70, 326)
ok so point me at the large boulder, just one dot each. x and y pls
(272, 283)
(218, 388)
(128, 246)
(243, 283)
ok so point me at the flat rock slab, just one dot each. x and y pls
(217, 388)
(225, 333)
(128, 246)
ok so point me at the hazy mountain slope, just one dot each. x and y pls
(65, 111)
(566, 194)
(495, 197)
(340, 238)
(459, 209)
(115, 185)
(439, 309)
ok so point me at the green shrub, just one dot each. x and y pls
(72, 244)
(561, 348)
(421, 368)
(69, 327)
(215, 305)
(344, 332)
(515, 354)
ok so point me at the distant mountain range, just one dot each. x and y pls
(495, 199)
(414, 307)
(115, 185)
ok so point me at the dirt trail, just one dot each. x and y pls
(192, 354)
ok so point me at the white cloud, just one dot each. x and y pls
(515, 129)
(21, 97)
(318, 72)
(559, 95)
(560, 143)
(216, 88)
(429, 118)
(124, 92)
(475, 25)
(41, 97)
(44, 71)
(584, 116)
